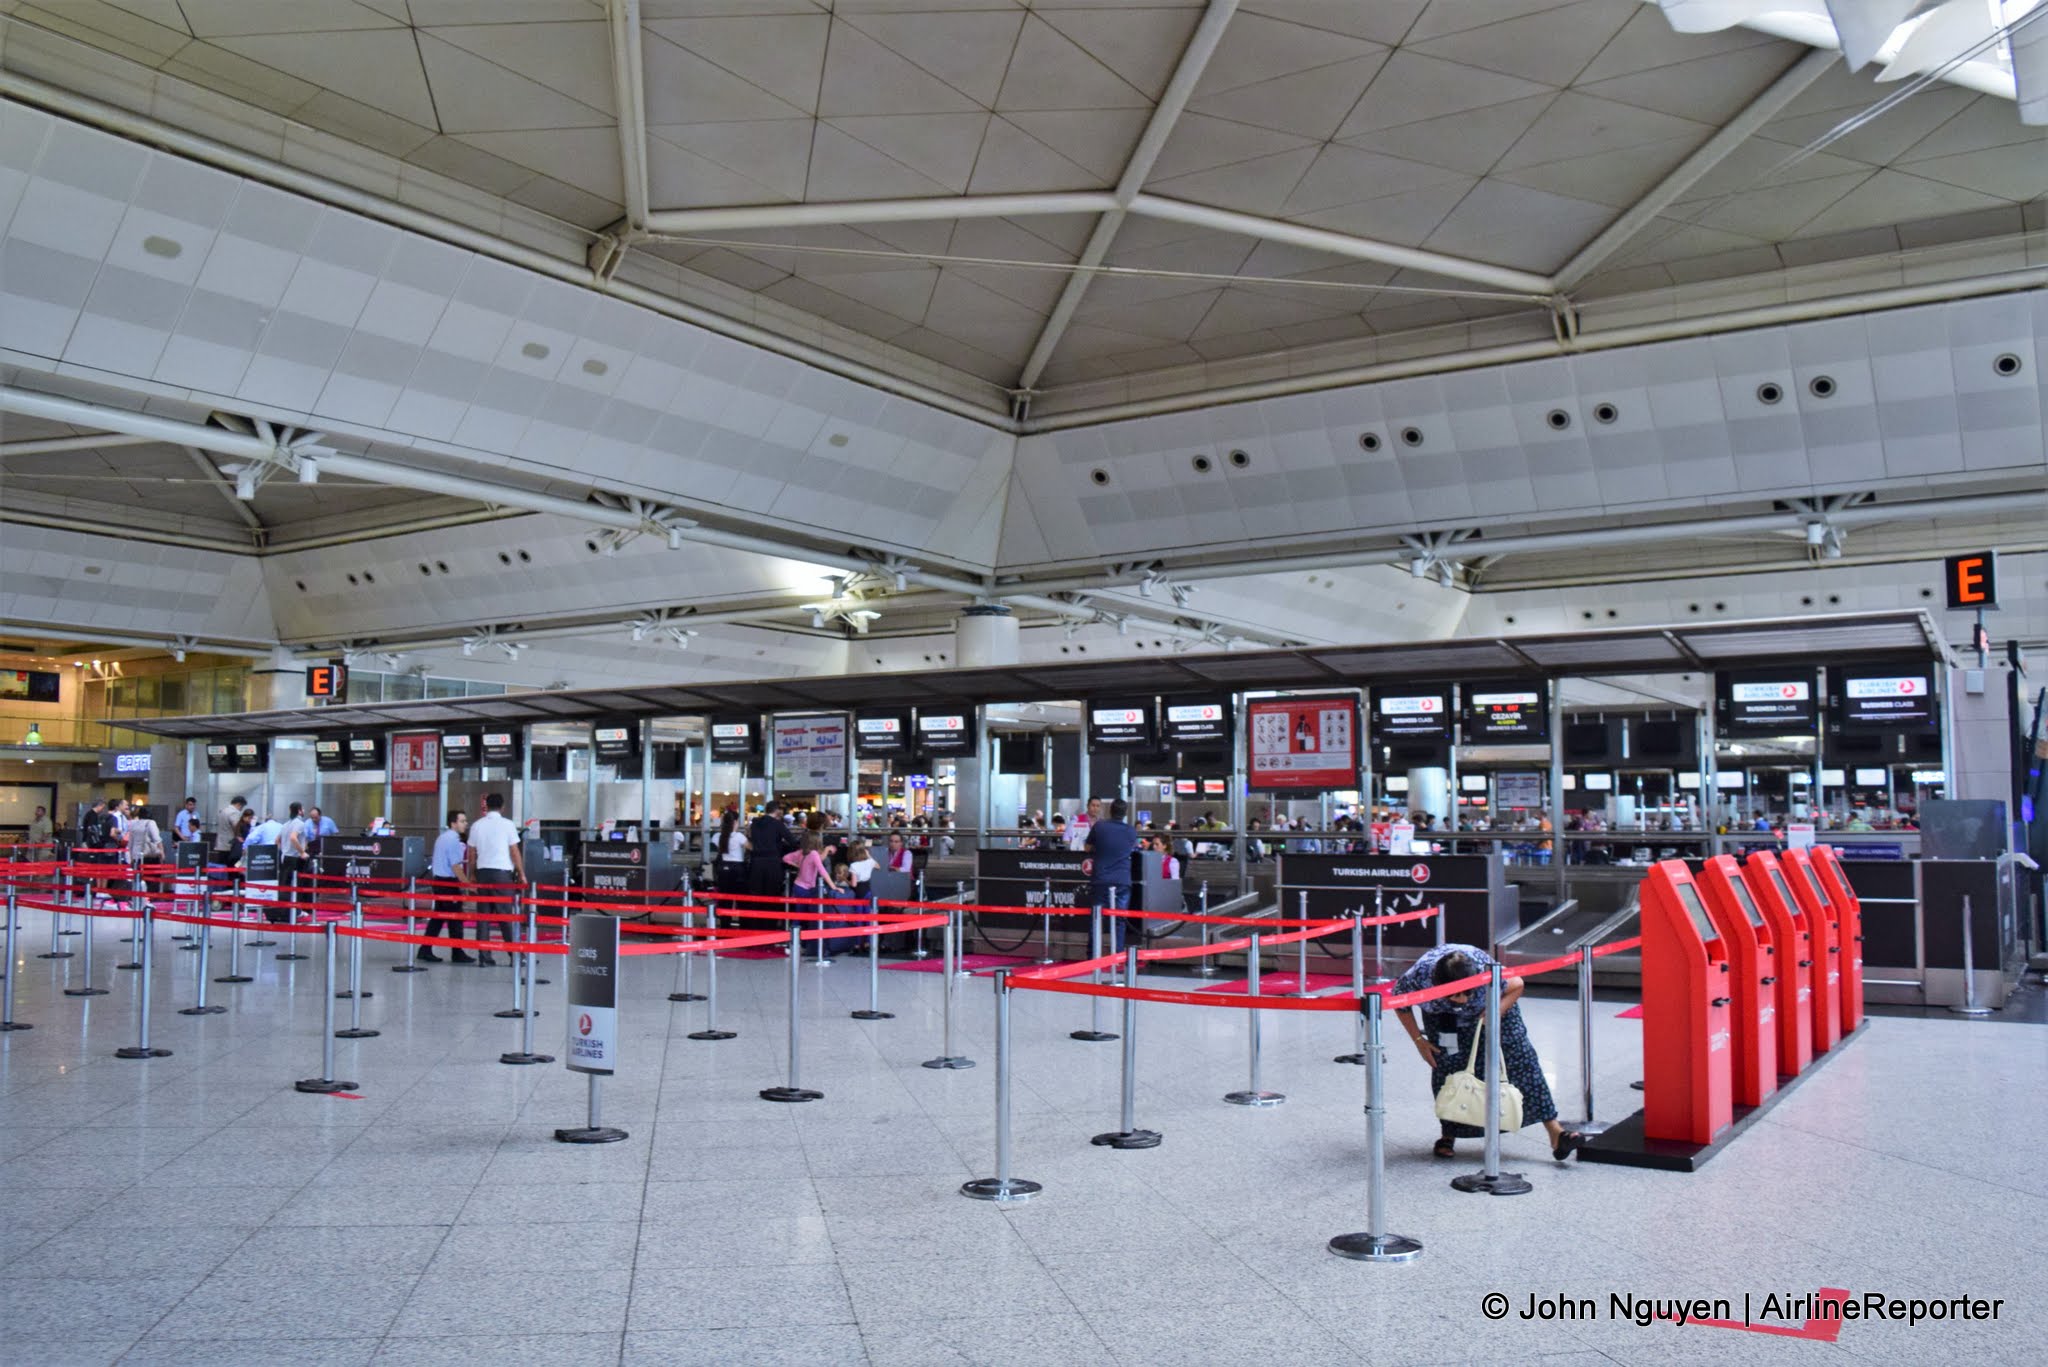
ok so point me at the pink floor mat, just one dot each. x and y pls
(1634, 1013)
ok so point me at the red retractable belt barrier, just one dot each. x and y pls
(1796, 968)
(1752, 978)
(1687, 1073)
(1849, 926)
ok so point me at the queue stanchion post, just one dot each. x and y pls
(355, 991)
(1358, 1055)
(1588, 1125)
(1129, 1136)
(919, 951)
(204, 935)
(794, 1091)
(1968, 1007)
(7, 1021)
(142, 1047)
(1490, 1179)
(1375, 1244)
(64, 886)
(1254, 1094)
(947, 1059)
(1301, 954)
(1045, 932)
(326, 1084)
(595, 1131)
(711, 1029)
(135, 964)
(1094, 1034)
(65, 928)
(524, 964)
(412, 962)
(1205, 967)
(1002, 1187)
(234, 973)
(960, 928)
(684, 989)
(518, 1007)
(874, 1011)
(85, 964)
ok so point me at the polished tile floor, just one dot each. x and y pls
(195, 1209)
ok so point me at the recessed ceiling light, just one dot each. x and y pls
(538, 351)
(593, 366)
(836, 439)
(162, 246)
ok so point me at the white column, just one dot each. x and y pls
(986, 634)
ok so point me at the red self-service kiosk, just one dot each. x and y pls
(1752, 977)
(1826, 973)
(1794, 940)
(1687, 1072)
(1834, 880)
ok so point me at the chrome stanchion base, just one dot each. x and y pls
(202, 1010)
(586, 1134)
(713, 1034)
(505, 1058)
(192, 948)
(408, 968)
(291, 958)
(354, 1032)
(129, 1051)
(264, 944)
(1127, 1139)
(345, 994)
(234, 978)
(510, 1013)
(790, 1094)
(127, 968)
(1358, 1059)
(955, 1061)
(1000, 1189)
(56, 954)
(686, 996)
(1376, 1248)
(6, 1026)
(85, 991)
(322, 1086)
(1254, 1098)
(1588, 1128)
(872, 1015)
(1971, 1011)
(1092, 1036)
(68, 933)
(1501, 1184)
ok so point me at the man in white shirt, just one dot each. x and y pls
(494, 859)
(186, 822)
(1077, 829)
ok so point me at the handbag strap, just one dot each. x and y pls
(1472, 1060)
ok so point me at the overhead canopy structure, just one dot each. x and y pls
(1633, 651)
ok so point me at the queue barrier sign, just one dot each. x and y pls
(593, 1014)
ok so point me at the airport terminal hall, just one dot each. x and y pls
(1030, 683)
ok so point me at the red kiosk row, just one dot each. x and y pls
(1750, 972)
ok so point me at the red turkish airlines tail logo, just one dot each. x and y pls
(583, 1025)
(1420, 873)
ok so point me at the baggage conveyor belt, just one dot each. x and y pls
(1569, 927)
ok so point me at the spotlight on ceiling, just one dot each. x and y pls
(245, 483)
(309, 470)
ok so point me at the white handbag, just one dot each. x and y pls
(1463, 1098)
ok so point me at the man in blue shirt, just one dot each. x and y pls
(1110, 844)
(450, 867)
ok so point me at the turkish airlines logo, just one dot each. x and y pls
(1772, 692)
(583, 1025)
(634, 857)
(1400, 707)
(1420, 873)
(1886, 688)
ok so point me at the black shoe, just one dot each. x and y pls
(1568, 1143)
(458, 957)
(428, 956)
(487, 961)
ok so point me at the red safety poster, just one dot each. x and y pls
(1303, 742)
(416, 763)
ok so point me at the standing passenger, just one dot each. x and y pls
(451, 865)
(495, 861)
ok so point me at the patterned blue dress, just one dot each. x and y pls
(1443, 1016)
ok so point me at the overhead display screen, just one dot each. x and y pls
(1197, 723)
(500, 747)
(458, 749)
(881, 735)
(29, 685)
(1413, 714)
(1882, 697)
(1120, 724)
(220, 757)
(945, 734)
(735, 737)
(614, 741)
(329, 754)
(366, 752)
(252, 756)
(1773, 702)
(1515, 713)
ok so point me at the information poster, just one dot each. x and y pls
(1303, 743)
(416, 763)
(810, 754)
(593, 1016)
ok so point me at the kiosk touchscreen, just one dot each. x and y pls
(1834, 879)
(1753, 976)
(1825, 974)
(1687, 1064)
(1821, 915)
(1794, 940)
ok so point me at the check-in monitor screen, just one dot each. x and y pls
(1784, 890)
(1689, 897)
(1820, 894)
(1747, 903)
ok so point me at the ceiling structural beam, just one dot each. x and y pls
(1682, 177)
(165, 642)
(629, 92)
(243, 511)
(1194, 60)
(50, 446)
(691, 222)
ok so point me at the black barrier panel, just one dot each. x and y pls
(372, 856)
(1017, 878)
(1943, 885)
(1479, 905)
(624, 868)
